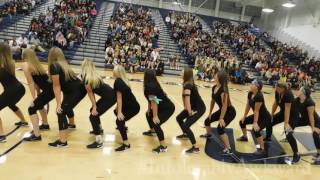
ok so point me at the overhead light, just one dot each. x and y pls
(267, 10)
(176, 3)
(289, 4)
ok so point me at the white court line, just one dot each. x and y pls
(252, 173)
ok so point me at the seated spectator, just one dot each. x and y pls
(109, 55)
(61, 40)
(133, 63)
(14, 45)
(23, 42)
(159, 67)
(36, 44)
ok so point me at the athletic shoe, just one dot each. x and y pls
(21, 123)
(149, 133)
(123, 147)
(182, 136)
(259, 151)
(58, 143)
(95, 145)
(3, 139)
(205, 136)
(33, 138)
(160, 149)
(71, 126)
(193, 150)
(284, 140)
(267, 140)
(101, 132)
(316, 159)
(295, 159)
(243, 139)
(226, 152)
(44, 127)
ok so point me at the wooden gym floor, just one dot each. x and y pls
(36, 161)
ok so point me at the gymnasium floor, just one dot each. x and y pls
(36, 161)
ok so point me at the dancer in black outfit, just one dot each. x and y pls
(194, 108)
(95, 85)
(259, 117)
(127, 105)
(308, 117)
(65, 81)
(226, 112)
(13, 89)
(41, 92)
(288, 114)
(160, 108)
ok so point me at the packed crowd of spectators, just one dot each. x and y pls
(132, 39)
(280, 62)
(14, 7)
(19, 44)
(201, 49)
(64, 25)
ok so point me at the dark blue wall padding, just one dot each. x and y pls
(214, 147)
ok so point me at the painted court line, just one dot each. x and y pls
(12, 131)
(12, 148)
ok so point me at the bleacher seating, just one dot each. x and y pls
(93, 45)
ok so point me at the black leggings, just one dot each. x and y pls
(189, 121)
(277, 119)
(103, 104)
(229, 116)
(164, 114)
(43, 99)
(261, 123)
(128, 113)
(70, 100)
(11, 96)
(300, 123)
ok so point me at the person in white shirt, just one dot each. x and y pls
(168, 19)
(33, 3)
(109, 55)
(14, 45)
(61, 39)
(23, 42)
(258, 66)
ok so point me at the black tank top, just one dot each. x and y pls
(217, 96)
(258, 98)
(67, 86)
(303, 109)
(287, 97)
(8, 80)
(155, 90)
(42, 81)
(195, 98)
(104, 91)
(129, 100)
